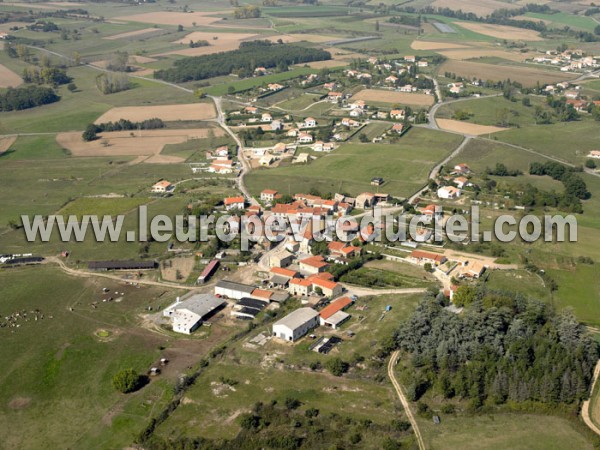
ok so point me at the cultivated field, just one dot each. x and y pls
(524, 75)
(327, 64)
(403, 98)
(466, 127)
(133, 33)
(501, 31)
(8, 78)
(173, 18)
(430, 45)
(483, 53)
(6, 142)
(224, 42)
(130, 143)
(479, 7)
(167, 113)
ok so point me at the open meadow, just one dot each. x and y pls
(404, 166)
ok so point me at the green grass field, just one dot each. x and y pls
(56, 391)
(404, 166)
(101, 206)
(559, 20)
(501, 431)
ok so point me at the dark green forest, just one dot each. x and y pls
(502, 348)
(241, 62)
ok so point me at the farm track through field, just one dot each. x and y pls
(404, 400)
(585, 408)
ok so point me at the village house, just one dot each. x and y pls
(411, 59)
(305, 138)
(330, 86)
(335, 96)
(407, 88)
(162, 187)
(313, 265)
(391, 79)
(422, 257)
(460, 182)
(260, 71)
(275, 87)
(422, 63)
(299, 287)
(251, 110)
(276, 125)
(594, 154)
(234, 203)
(222, 166)
(266, 160)
(296, 324)
(448, 192)
(398, 114)
(462, 168)
(343, 250)
(365, 200)
(329, 288)
(347, 122)
(333, 315)
(356, 112)
(398, 128)
(358, 104)
(268, 195)
(309, 122)
(266, 117)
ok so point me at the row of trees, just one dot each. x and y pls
(502, 348)
(26, 97)
(92, 130)
(242, 61)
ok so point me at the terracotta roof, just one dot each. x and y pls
(163, 183)
(233, 200)
(314, 261)
(335, 306)
(419, 254)
(262, 293)
(269, 192)
(327, 284)
(300, 282)
(285, 272)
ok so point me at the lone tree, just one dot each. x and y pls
(126, 381)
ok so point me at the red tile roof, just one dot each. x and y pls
(314, 261)
(335, 306)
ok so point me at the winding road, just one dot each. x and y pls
(404, 400)
(585, 408)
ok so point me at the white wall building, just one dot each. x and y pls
(296, 324)
(186, 316)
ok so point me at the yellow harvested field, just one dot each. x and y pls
(224, 42)
(344, 55)
(547, 22)
(502, 31)
(327, 64)
(430, 45)
(8, 78)
(122, 143)
(168, 113)
(403, 98)
(6, 142)
(131, 33)
(174, 18)
(479, 7)
(484, 52)
(467, 128)
(299, 37)
(137, 59)
(528, 77)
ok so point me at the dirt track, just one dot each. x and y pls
(404, 401)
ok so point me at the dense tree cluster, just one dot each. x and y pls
(502, 348)
(574, 184)
(406, 20)
(110, 83)
(241, 62)
(14, 99)
(500, 170)
(247, 12)
(46, 75)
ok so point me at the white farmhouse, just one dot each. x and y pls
(296, 324)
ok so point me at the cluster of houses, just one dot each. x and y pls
(455, 183)
(569, 60)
